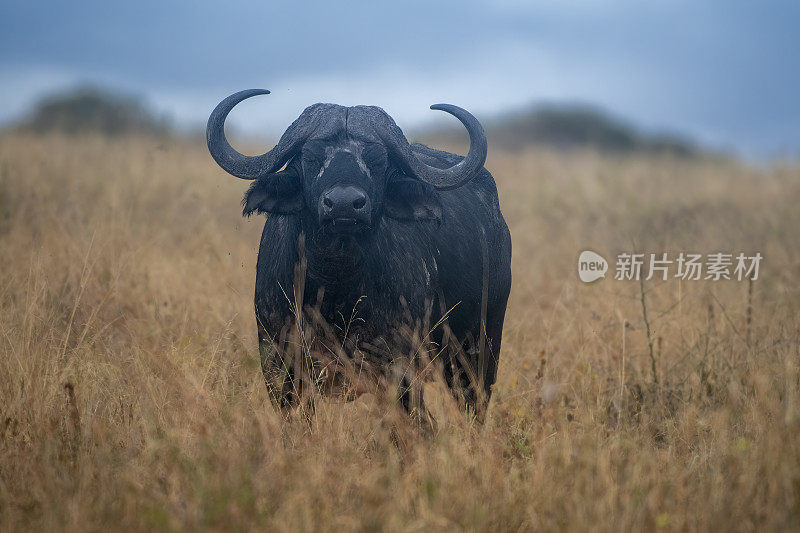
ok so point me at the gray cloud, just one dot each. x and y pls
(723, 71)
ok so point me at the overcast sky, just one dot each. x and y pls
(725, 72)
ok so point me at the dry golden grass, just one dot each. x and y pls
(131, 397)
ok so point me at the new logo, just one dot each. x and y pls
(591, 266)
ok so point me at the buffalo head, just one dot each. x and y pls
(344, 168)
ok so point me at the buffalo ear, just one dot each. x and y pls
(411, 199)
(279, 193)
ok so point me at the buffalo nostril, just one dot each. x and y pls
(327, 202)
(359, 202)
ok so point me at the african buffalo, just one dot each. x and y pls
(389, 245)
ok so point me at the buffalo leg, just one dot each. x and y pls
(278, 376)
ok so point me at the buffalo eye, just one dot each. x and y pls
(279, 193)
(411, 199)
(312, 157)
(374, 155)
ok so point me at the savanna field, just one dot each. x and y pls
(131, 395)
